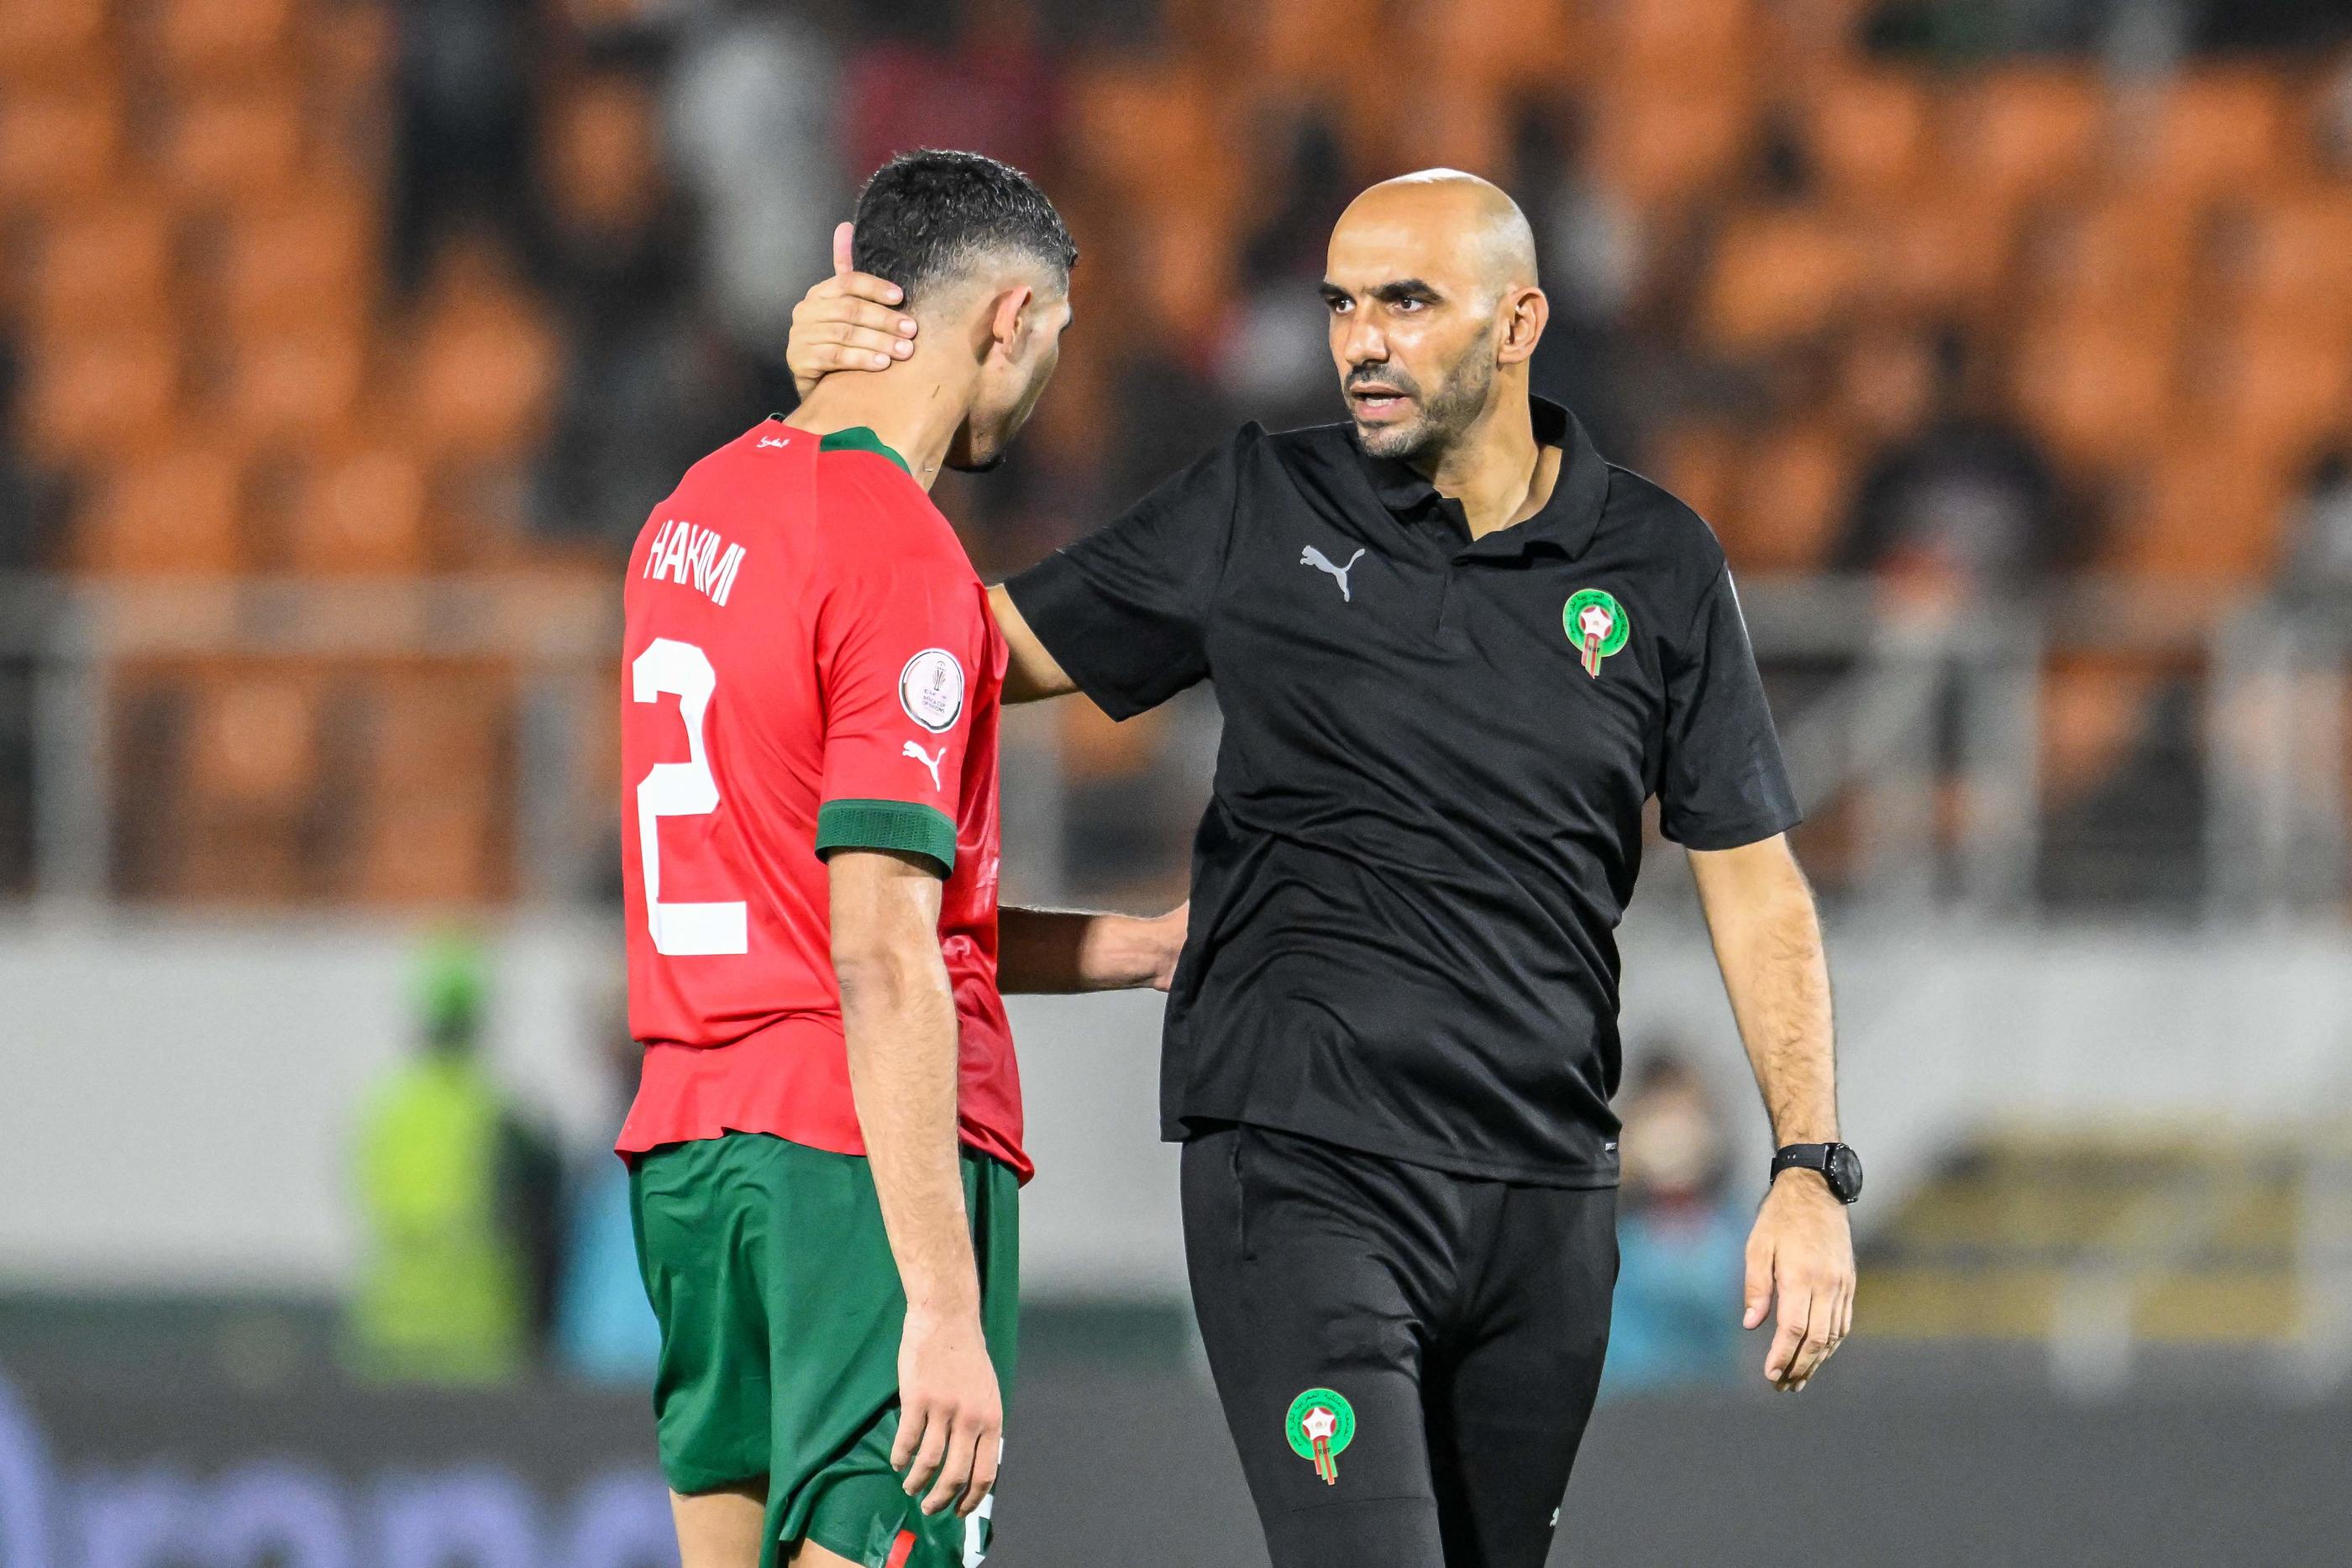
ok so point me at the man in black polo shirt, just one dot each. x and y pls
(1457, 651)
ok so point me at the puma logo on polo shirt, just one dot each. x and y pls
(1314, 558)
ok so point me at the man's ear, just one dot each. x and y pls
(1525, 315)
(1011, 315)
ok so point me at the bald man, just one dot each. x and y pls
(1456, 653)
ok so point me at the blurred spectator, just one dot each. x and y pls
(2320, 537)
(1681, 1237)
(463, 96)
(604, 1328)
(28, 514)
(646, 389)
(988, 88)
(1971, 30)
(30, 508)
(1588, 254)
(1276, 359)
(457, 1197)
(750, 115)
(1959, 500)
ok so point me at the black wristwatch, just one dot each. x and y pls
(1839, 1165)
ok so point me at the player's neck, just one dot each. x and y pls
(1497, 471)
(911, 408)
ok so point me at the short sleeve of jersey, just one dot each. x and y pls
(1125, 610)
(1724, 783)
(900, 646)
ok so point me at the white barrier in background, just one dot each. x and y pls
(175, 1096)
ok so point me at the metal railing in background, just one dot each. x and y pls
(1920, 730)
(1931, 734)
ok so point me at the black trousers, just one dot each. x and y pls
(1407, 1358)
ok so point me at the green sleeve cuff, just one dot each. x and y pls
(898, 825)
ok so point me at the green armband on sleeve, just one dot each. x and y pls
(899, 825)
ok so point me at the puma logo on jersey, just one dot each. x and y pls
(697, 556)
(775, 441)
(1314, 558)
(927, 759)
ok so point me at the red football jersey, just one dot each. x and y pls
(810, 663)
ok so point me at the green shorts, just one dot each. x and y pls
(781, 1311)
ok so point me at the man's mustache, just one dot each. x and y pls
(1383, 376)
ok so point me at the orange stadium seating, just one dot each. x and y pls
(177, 510)
(193, 218)
(59, 142)
(45, 39)
(360, 509)
(200, 40)
(227, 149)
(1869, 135)
(250, 769)
(2021, 133)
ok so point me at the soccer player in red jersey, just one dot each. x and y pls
(826, 1147)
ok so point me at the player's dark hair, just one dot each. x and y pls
(929, 217)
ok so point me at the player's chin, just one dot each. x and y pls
(978, 462)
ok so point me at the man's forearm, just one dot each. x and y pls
(898, 1013)
(1059, 951)
(1768, 941)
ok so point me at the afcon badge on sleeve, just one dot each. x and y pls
(931, 688)
(1321, 1424)
(1596, 623)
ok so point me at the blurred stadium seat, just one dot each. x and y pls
(360, 509)
(223, 149)
(222, 40)
(174, 509)
(59, 142)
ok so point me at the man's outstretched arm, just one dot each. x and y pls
(1767, 942)
(1062, 951)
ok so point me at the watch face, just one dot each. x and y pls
(1846, 1172)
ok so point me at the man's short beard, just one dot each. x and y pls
(1461, 395)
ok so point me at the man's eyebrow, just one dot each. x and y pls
(1403, 289)
(1331, 292)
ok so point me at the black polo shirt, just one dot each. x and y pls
(1427, 816)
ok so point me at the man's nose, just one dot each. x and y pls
(1362, 343)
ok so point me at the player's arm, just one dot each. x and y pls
(1031, 671)
(1767, 942)
(1061, 951)
(897, 1012)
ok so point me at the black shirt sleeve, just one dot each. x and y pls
(1125, 610)
(1723, 784)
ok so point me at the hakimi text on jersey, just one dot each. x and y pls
(686, 553)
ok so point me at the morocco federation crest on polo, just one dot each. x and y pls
(1321, 1424)
(1596, 623)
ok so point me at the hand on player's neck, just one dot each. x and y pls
(1497, 471)
(914, 408)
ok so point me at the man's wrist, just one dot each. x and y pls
(945, 1309)
(1123, 951)
(1807, 1177)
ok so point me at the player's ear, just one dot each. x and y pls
(1011, 315)
(1525, 313)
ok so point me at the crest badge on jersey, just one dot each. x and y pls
(1596, 623)
(931, 688)
(1320, 1425)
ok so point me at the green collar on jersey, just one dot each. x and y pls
(861, 438)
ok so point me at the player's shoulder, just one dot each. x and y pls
(873, 516)
(1671, 532)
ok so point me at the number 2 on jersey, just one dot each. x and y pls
(681, 789)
